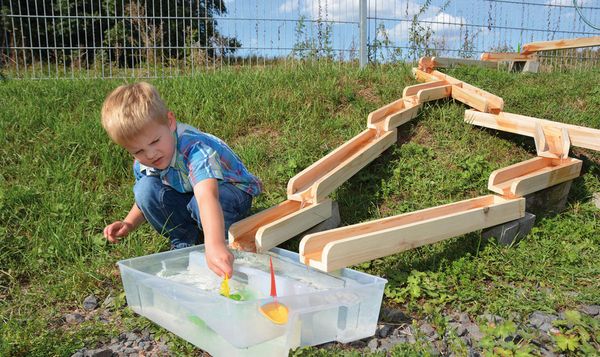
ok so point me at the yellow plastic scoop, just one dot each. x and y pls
(274, 311)
(225, 287)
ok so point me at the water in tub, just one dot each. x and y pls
(251, 279)
(298, 287)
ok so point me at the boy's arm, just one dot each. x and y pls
(135, 217)
(218, 258)
(117, 229)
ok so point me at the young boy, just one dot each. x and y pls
(186, 181)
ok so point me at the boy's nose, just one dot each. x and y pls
(151, 155)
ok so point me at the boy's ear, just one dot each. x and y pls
(172, 121)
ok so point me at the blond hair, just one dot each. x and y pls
(129, 108)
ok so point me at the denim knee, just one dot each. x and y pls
(165, 209)
(147, 191)
(234, 202)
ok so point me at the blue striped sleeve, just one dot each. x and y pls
(203, 163)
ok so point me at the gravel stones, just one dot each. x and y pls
(474, 331)
(463, 318)
(542, 321)
(384, 331)
(495, 319)
(109, 302)
(136, 343)
(459, 328)
(74, 318)
(90, 303)
(591, 310)
(427, 329)
(373, 344)
(395, 327)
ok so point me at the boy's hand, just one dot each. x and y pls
(117, 229)
(219, 259)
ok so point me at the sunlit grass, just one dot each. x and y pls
(62, 181)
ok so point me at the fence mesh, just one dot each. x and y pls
(164, 38)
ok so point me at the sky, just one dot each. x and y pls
(269, 27)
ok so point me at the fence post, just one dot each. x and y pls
(363, 33)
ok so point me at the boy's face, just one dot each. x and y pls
(154, 146)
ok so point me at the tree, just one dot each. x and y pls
(126, 32)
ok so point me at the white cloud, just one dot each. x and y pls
(289, 6)
(442, 24)
(348, 10)
(569, 2)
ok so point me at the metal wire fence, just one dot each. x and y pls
(164, 38)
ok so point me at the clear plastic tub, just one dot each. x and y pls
(176, 290)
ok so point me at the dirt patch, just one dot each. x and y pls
(423, 136)
(266, 133)
(368, 93)
(386, 209)
(579, 104)
(584, 155)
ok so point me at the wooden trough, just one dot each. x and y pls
(307, 202)
(533, 175)
(523, 125)
(464, 92)
(318, 180)
(339, 248)
(266, 229)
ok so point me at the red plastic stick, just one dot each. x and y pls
(273, 288)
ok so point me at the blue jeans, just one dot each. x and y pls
(176, 216)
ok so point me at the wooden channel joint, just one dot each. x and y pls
(551, 142)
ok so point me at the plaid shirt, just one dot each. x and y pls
(200, 156)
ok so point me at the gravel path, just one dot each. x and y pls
(395, 327)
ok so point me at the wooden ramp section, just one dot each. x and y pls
(401, 111)
(339, 248)
(507, 57)
(533, 175)
(393, 115)
(464, 92)
(523, 125)
(318, 180)
(268, 228)
(560, 44)
(307, 203)
(428, 64)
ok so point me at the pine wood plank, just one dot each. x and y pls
(446, 62)
(324, 176)
(430, 94)
(533, 175)
(506, 56)
(355, 244)
(495, 103)
(242, 233)
(395, 120)
(414, 89)
(378, 116)
(579, 136)
(471, 99)
(280, 230)
(560, 44)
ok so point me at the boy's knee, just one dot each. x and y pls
(146, 191)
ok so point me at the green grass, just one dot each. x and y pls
(62, 181)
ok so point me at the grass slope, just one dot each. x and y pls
(62, 181)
